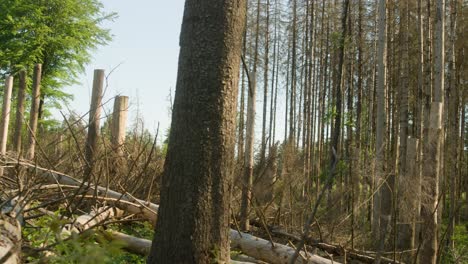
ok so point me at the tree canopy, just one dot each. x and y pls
(60, 34)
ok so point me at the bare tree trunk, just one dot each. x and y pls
(430, 210)
(404, 229)
(20, 113)
(453, 126)
(34, 113)
(5, 121)
(119, 123)
(380, 145)
(292, 96)
(94, 122)
(265, 83)
(335, 140)
(193, 217)
(250, 136)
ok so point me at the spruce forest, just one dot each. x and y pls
(302, 131)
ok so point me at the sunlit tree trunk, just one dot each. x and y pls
(193, 217)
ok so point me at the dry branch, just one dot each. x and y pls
(252, 246)
(147, 209)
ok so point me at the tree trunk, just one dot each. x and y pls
(453, 127)
(19, 113)
(265, 83)
(193, 218)
(404, 230)
(432, 160)
(5, 121)
(34, 113)
(380, 145)
(335, 140)
(247, 181)
(91, 150)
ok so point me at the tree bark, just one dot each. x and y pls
(94, 122)
(5, 121)
(431, 209)
(380, 144)
(247, 181)
(193, 218)
(19, 113)
(34, 113)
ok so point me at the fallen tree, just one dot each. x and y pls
(336, 250)
(271, 252)
(147, 209)
(10, 240)
(252, 246)
(10, 231)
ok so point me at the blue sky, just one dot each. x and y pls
(146, 44)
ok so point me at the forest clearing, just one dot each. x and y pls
(301, 131)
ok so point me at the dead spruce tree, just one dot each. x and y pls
(193, 217)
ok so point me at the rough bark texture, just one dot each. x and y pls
(119, 123)
(5, 121)
(410, 195)
(380, 145)
(432, 156)
(19, 112)
(247, 179)
(94, 121)
(430, 187)
(193, 222)
(34, 113)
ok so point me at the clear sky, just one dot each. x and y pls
(146, 44)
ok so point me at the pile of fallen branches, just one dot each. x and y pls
(89, 206)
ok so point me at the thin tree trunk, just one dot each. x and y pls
(405, 232)
(250, 136)
(20, 113)
(430, 210)
(453, 126)
(34, 113)
(380, 145)
(265, 83)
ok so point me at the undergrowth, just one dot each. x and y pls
(47, 243)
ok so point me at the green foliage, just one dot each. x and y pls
(88, 247)
(460, 252)
(60, 34)
(138, 229)
(329, 115)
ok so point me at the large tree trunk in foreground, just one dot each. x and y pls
(193, 217)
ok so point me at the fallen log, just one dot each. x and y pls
(94, 218)
(10, 240)
(252, 246)
(142, 246)
(10, 231)
(147, 209)
(334, 249)
(271, 252)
